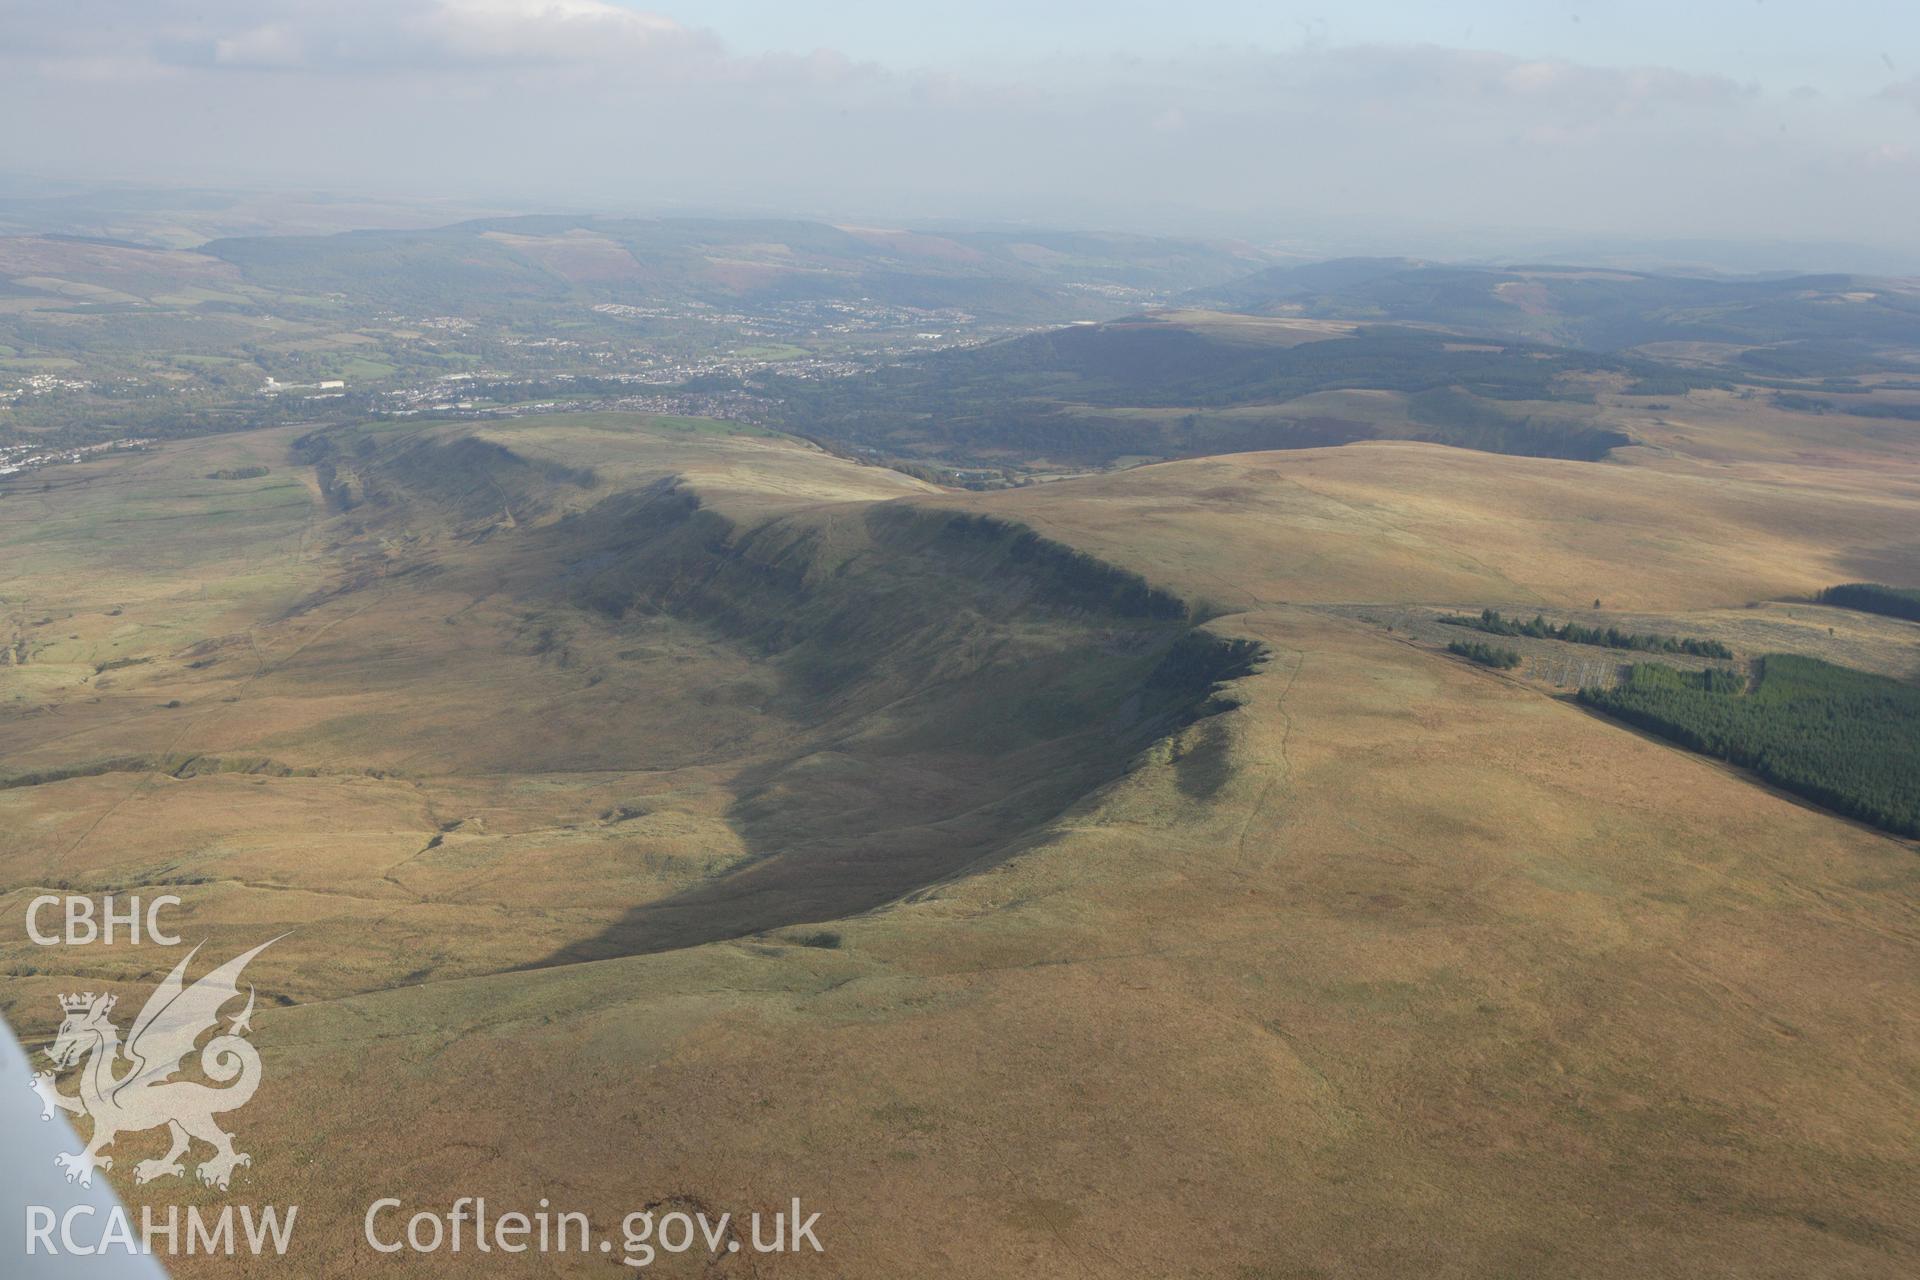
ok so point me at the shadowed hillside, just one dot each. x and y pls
(1182, 385)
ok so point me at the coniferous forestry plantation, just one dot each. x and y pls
(1871, 597)
(1491, 622)
(1845, 739)
(1485, 654)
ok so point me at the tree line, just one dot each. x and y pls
(1871, 597)
(1539, 628)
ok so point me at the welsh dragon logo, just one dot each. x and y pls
(143, 1093)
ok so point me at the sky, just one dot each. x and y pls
(1375, 126)
(1746, 40)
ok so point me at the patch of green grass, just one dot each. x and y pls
(664, 423)
(705, 426)
(215, 361)
(39, 362)
(361, 369)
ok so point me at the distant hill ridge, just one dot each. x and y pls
(1850, 323)
(556, 257)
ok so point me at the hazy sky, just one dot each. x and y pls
(1729, 119)
(1783, 45)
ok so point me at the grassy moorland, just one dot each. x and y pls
(687, 816)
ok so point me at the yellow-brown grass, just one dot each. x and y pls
(1399, 968)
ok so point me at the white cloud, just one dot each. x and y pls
(351, 35)
(550, 31)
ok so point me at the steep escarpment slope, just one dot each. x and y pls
(638, 689)
(927, 686)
